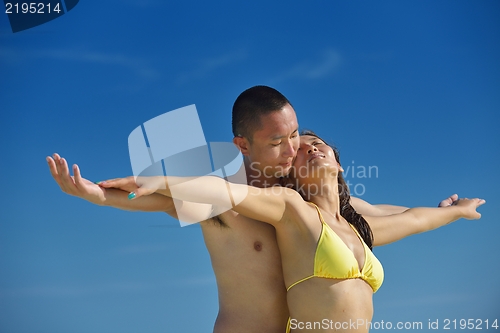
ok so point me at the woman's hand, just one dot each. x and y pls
(136, 186)
(127, 184)
(468, 207)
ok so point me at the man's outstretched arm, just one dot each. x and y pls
(87, 190)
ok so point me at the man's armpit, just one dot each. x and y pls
(216, 221)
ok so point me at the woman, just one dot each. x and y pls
(329, 269)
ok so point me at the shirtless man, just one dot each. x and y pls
(244, 253)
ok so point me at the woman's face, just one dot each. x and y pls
(315, 159)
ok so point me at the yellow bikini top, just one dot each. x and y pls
(334, 260)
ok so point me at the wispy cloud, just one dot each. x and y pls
(324, 66)
(210, 65)
(136, 65)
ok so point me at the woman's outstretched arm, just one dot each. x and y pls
(366, 208)
(270, 205)
(388, 229)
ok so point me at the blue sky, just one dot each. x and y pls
(408, 87)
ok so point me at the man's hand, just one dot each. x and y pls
(450, 201)
(76, 185)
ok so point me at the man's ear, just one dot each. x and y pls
(242, 144)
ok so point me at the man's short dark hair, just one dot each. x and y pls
(251, 105)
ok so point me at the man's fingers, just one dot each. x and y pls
(68, 183)
(63, 167)
(53, 168)
(451, 200)
(77, 176)
(59, 170)
(57, 162)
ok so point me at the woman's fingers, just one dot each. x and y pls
(127, 184)
(115, 183)
(147, 186)
(140, 192)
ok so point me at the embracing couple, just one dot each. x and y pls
(284, 261)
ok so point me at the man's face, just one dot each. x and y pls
(275, 144)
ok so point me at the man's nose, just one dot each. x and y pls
(290, 150)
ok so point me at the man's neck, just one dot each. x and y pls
(257, 178)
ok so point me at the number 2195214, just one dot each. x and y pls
(471, 324)
(31, 8)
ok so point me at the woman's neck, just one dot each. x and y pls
(327, 198)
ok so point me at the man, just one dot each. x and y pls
(244, 252)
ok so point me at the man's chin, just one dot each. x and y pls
(281, 171)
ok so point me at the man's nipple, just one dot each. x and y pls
(257, 246)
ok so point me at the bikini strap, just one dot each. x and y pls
(319, 212)
(301, 280)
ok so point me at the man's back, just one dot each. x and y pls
(247, 265)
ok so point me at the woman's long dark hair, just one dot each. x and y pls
(346, 210)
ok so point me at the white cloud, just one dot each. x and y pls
(325, 66)
(210, 65)
(137, 65)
